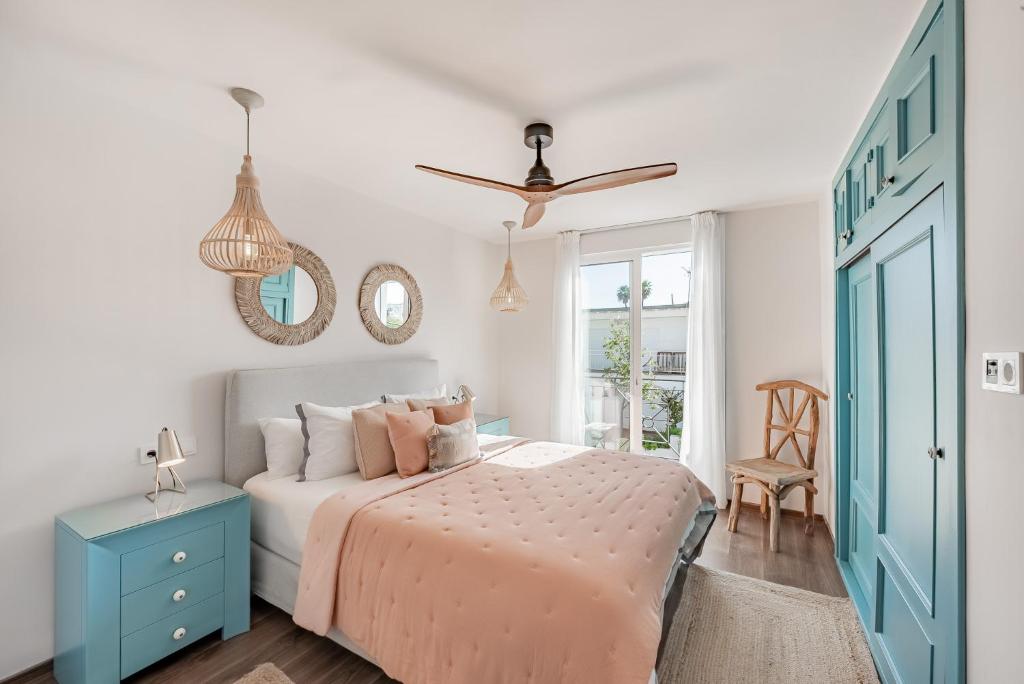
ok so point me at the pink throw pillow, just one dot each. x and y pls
(446, 415)
(408, 434)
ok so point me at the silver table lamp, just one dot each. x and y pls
(466, 394)
(168, 454)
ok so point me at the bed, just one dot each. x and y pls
(283, 511)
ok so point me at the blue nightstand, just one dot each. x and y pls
(136, 581)
(486, 424)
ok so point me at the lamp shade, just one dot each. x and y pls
(245, 243)
(509, 295)
(168, 449)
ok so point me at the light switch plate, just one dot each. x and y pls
(1001, 371)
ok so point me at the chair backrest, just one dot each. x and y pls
(784, 412)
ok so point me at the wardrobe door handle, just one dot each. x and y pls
(887, 181)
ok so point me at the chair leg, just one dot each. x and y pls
(773, 539)
(764, 506)
(734, 509)
(808, 513)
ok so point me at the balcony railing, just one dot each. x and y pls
(607, 411)
(673, 362)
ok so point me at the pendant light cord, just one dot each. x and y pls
(509, 229)
(247, 131)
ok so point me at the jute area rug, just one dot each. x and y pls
(730, 628)
(266, 673)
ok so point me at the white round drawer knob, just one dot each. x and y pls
(178, 595)
(179, 634)
(179, 557)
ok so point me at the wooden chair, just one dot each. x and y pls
(777, 478)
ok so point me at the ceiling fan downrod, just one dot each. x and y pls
(538, 136)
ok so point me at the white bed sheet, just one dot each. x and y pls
(282, 508)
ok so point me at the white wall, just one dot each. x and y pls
(994, 146)
(772, 323)
(112, 328)
(828, 346)
(773, 318)
(525, 343)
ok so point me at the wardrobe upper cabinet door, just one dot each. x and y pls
(858, 200)
(916, 93)
(841, 212)
(860, 184)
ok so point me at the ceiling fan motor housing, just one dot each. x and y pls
(537, 136)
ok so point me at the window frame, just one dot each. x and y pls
(635, 257)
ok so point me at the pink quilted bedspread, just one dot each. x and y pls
(543, 563)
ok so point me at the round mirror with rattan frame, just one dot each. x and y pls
(377, 276)
(247, 297)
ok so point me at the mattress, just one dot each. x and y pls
(283, 507)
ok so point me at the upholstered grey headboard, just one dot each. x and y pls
(274, 392)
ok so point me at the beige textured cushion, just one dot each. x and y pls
(421, 404)
(374, 453)
(450, 445)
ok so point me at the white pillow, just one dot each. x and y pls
(439, 392)
(284, 441)
(329, 447)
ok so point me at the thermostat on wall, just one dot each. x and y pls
(1002, 371)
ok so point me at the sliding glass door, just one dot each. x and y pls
(634, 393)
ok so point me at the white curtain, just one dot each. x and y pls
(703, 443)
(568, 343)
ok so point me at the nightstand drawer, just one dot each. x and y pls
(174, 594)
(173, 556)
(170, 634)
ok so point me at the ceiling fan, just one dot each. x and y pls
(540, 187)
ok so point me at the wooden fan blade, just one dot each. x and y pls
(534, 212)
(474, 180)
(614, 179)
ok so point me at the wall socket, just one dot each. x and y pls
(188, 447)
(1001, 371)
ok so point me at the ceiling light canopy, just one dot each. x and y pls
(245, 243)
(509, 295)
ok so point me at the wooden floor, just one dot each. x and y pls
(802, 561)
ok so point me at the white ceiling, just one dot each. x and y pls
(756, 101)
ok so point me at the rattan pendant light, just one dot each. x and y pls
(245, 243)
(509, 295)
